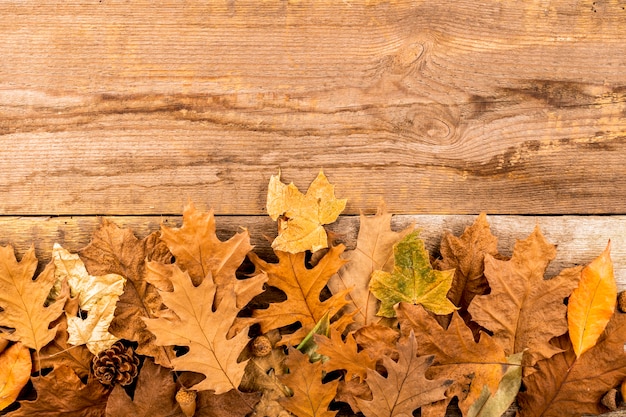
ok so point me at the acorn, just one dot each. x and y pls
(187, 401)
(621, 301)
(610, 400)
(261, 346)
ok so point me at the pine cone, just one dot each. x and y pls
(117, 364)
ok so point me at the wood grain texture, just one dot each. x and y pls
(116, 107)
(579, 239)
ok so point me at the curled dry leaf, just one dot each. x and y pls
(15, 366)
(302, 216)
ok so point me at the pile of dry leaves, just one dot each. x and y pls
(163, 326)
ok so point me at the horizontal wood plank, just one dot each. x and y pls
(579, 239)
(116, 107)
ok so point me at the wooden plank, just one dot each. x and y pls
(113, 107)
(579, 238)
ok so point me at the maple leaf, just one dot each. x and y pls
(523, 310)
(565, 385)
(302, 287)
(118, 251)
(592, 303)
(471, 365)
(377, 340)
(198, 251)
(412, 280)
(60, 353)
(310, 396)
(406, 387)
(344, 355)
(97, 295)
(374, 251)
(301, 216)
(23, 301)
(203, 331)
(154, 395)
(15, 366)
(61, 392)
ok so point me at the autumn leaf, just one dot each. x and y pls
(154, 395)
(565, 385)
(198, 251)
(302, 216)
(378, 340)
(471, 365)
(15, 367)
(23, 305)
(60, 353)
(413, 280)
(302, 287)
(97, 295)
(61, 392)
(203, 331)
(592, 303)
(118, 251)
(374, 251)
(523, 310)
(229, 404)
(406, 387)
(311, 397)
(344, 355)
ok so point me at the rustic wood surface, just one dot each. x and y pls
(116, 107)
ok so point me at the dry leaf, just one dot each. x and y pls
(230, 404)
(23, 305)
(344, 355)
(302, 287)
(565, 385)
(405, 388)
(378, 340)
(374, 251)
(15, 367)
(471, 365)
(413, 280)
(592, 303)
(310, 397)
(60, 353)
(203, 330)
(118, 251)
(523, 310)
(302, 216)
(61, 392)
(97, 295)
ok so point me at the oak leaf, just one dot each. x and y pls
(15, 367)
(200, 252)
(565, 385)
(302, 287)
(592, 303)
(302, 216)
(97, 295)
(378, 340)
(523, 310)
(196, 326)
(374, 251)
(406, 387)
(413, 280)
(230, 404)
(471, 365)
(344, 355)
(61, 392)
(118, 251)
(311, 397)
(23, 301)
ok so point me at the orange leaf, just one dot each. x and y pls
(592, 304)
(15, 368)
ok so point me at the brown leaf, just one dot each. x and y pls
(344, 355)
(118, 251)
(349, 391)
(60, 353)
(15, 367)
(61, 392)
(203, 330)
(230, 404)
(378, 340)
(153, 396)
(23, 301)
(374, 251)
(302, 287)
(565, 385)
(523, 310)
(471, 365)
(310, 397)
(406, 387)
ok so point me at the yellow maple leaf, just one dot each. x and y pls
(302, 216)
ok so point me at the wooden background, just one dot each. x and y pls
(443, 108)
